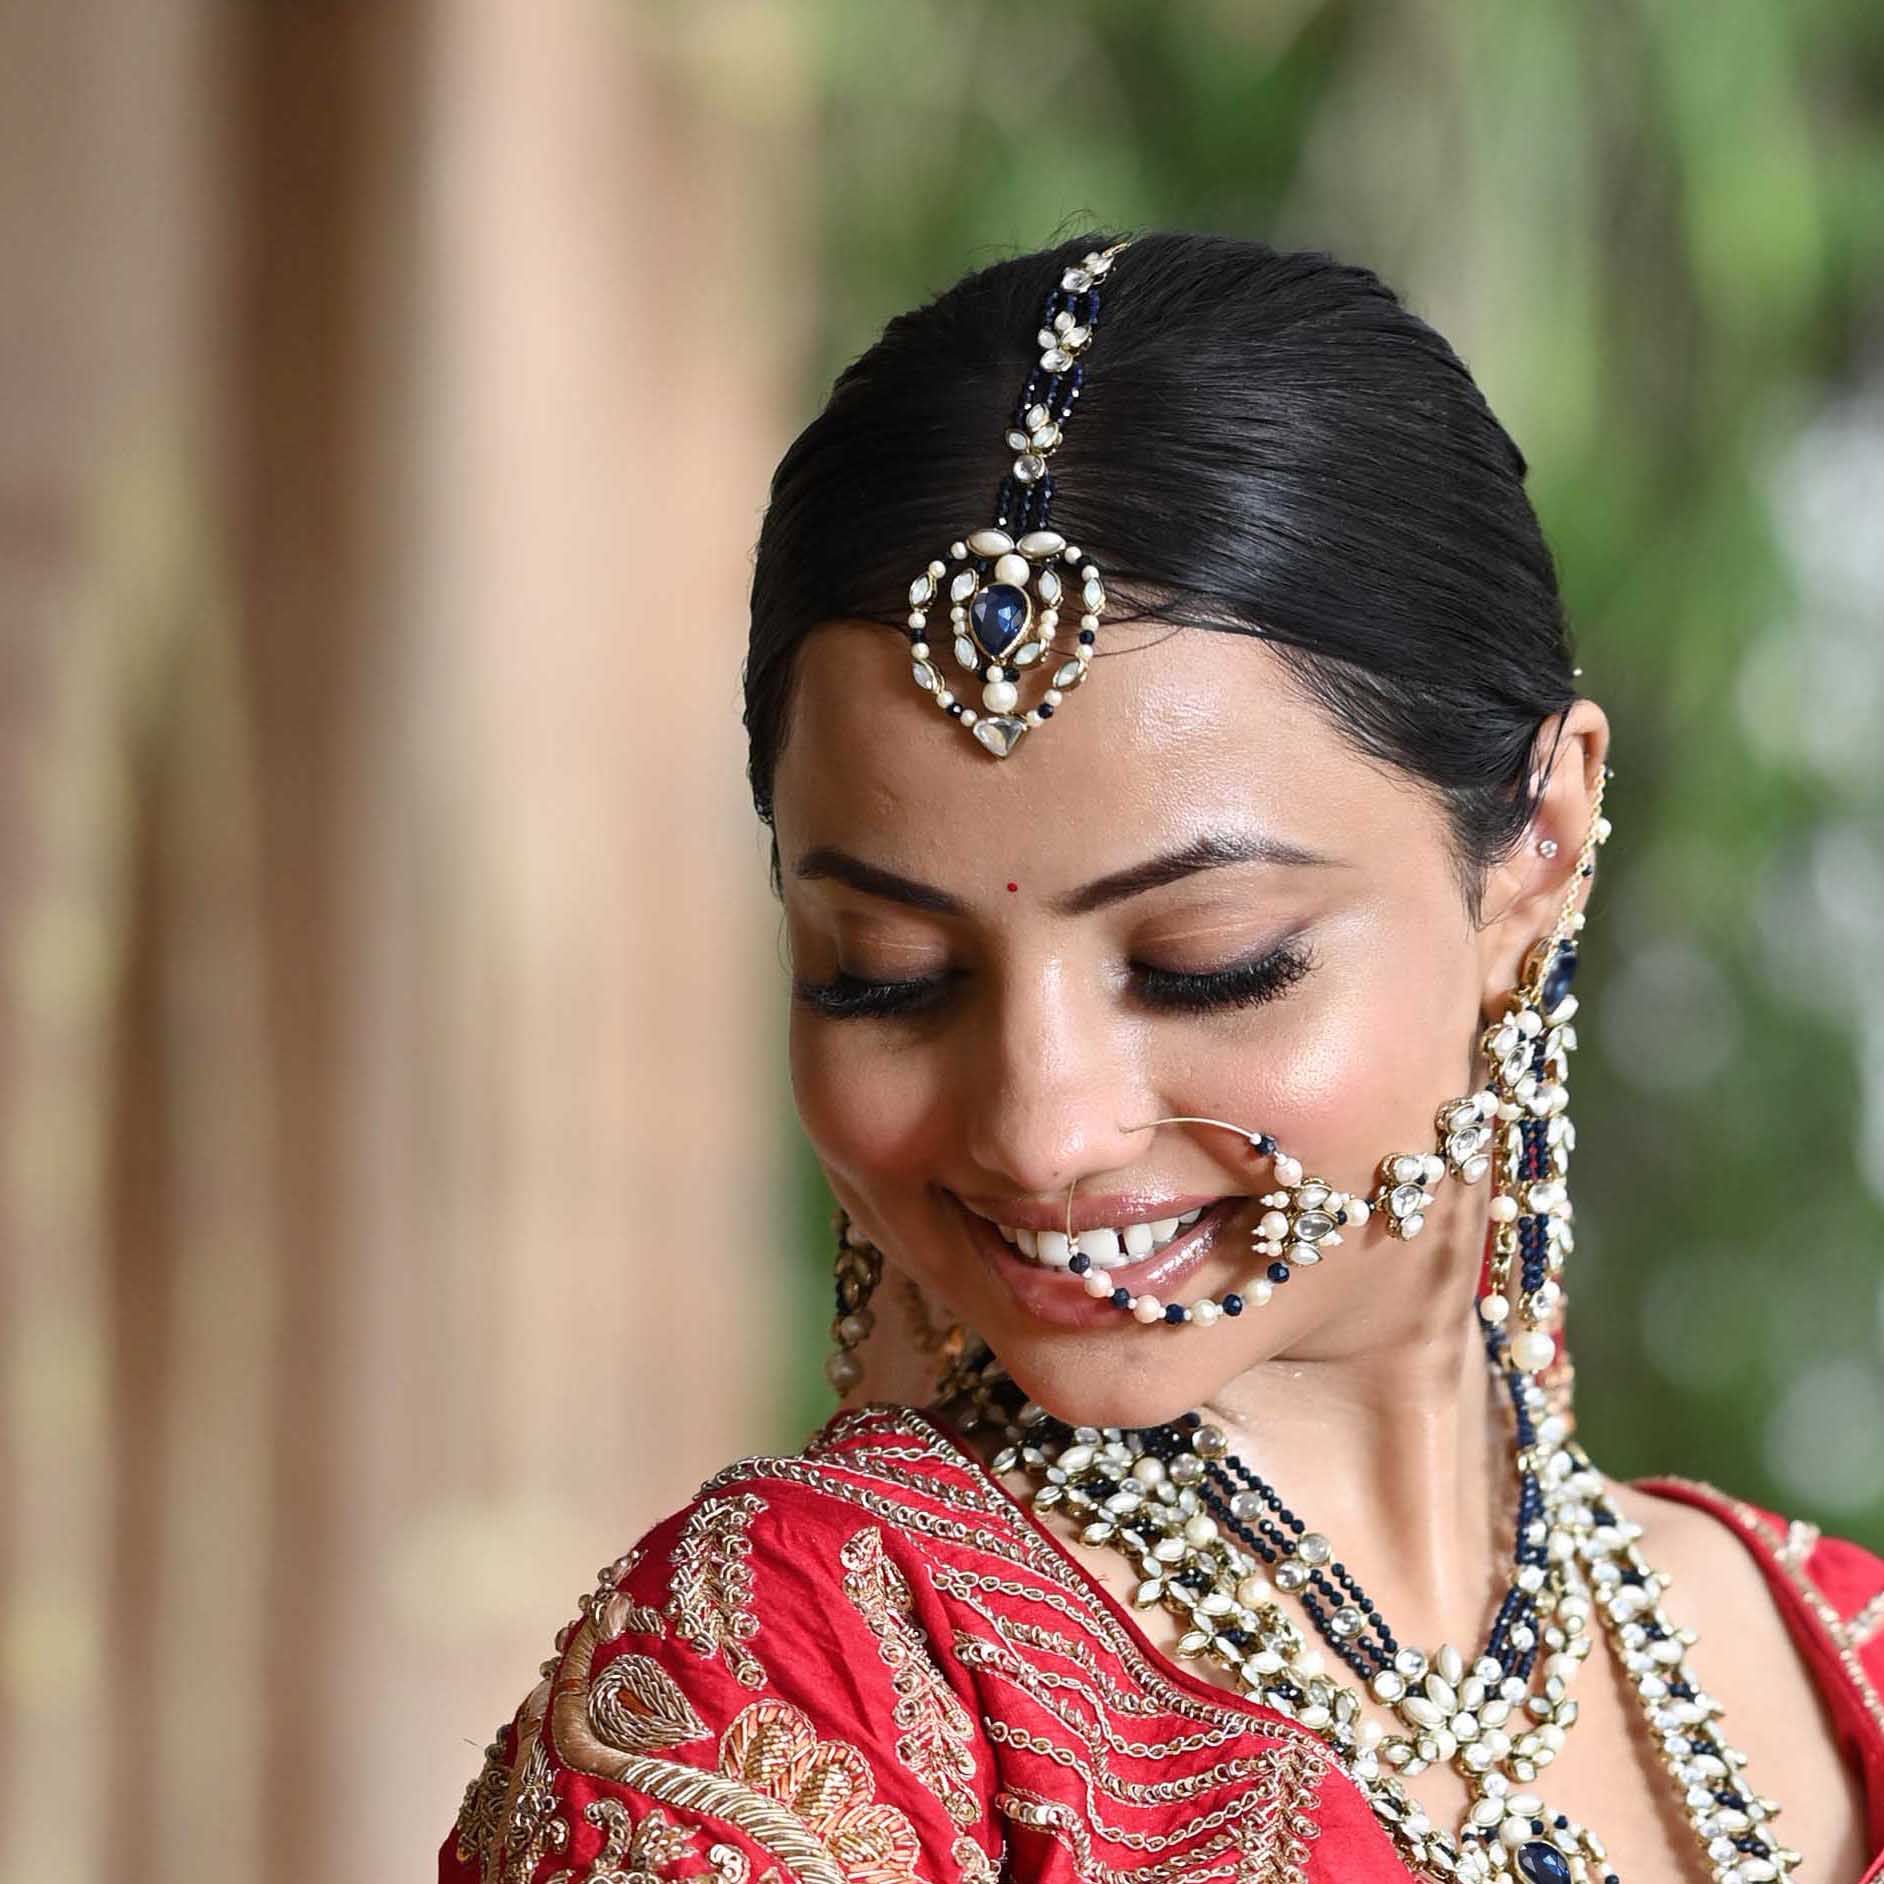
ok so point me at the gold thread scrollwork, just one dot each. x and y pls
(936, 1733)
(711, 1599)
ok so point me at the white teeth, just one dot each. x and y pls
(1104, 1248)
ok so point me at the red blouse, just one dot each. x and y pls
(866, 1663)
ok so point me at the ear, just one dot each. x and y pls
(1525, 894)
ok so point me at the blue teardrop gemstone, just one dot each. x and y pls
(1561, 973)
(998, 615)
(1539, 1863)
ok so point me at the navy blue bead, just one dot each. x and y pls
(1279, 1272)
(1045, 709)
(998, 615)
(1233, 1304)
(1086, 636)
(1121, 1298)
(1174, 1311)
(1080, 1263)
(1539, 1863)
(1562, 972)
(1266, 1145)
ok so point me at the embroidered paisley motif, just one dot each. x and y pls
(636, 1706)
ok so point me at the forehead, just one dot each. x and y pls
(1175, 734)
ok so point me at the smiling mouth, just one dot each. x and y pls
(1104, 1246)
(1100, 1257)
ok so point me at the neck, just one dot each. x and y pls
(1398, 1445)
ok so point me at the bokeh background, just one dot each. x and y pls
(401, 1205)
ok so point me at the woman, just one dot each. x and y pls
(1183, 878)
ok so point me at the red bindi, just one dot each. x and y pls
(1013, 886)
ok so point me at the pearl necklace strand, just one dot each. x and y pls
(1143, 1493)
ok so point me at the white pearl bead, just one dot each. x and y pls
(1053, 696)
(1504, 1209)
(919, 650)
(1204, 1311)
(1200, 1529)
(1147, 1308)
(945, 699)
(999, 696)
(1097, 1283)
(1533, 1350)
(1288, 1170)
(1260, 1291)
(1494, 1309)
(1148, 1469)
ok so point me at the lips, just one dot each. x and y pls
(1049, 1293)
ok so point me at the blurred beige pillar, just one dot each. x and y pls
(579, 996)
(390, 1042)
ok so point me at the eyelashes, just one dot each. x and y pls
(1166, 990)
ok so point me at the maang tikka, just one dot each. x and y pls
(1515, 1128)
(1008, 583)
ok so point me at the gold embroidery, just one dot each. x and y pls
(1267, 1842)
(712, 1588)
(828, 1785)
(1802, 1539)
(1790, 1556)
(809, 1802)
(645, 1853)
(1866, 1623)
(636, 1706)
(937, 1732)
(509, 1820)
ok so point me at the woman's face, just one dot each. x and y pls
(1186, 894)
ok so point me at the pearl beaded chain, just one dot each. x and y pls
(1147, 1493)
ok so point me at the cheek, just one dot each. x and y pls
(1361, 1070)
(874, 1116)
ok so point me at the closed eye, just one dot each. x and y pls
(1241, 984)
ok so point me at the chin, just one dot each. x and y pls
(1114, 1382)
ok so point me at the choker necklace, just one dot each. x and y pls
(1214, 1543)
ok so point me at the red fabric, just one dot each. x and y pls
(867, 1664)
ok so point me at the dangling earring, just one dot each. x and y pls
(857, 1268)
(1529, 1048)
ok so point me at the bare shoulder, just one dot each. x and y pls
(1747, 1656)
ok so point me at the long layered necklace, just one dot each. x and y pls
(1214, 1544)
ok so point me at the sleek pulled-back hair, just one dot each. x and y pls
(1267, 443)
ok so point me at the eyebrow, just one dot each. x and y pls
(1216, 852)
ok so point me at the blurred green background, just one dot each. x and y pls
(1657, 238)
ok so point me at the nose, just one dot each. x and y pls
(1048, 1089)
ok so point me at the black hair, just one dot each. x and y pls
(1267, 443)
